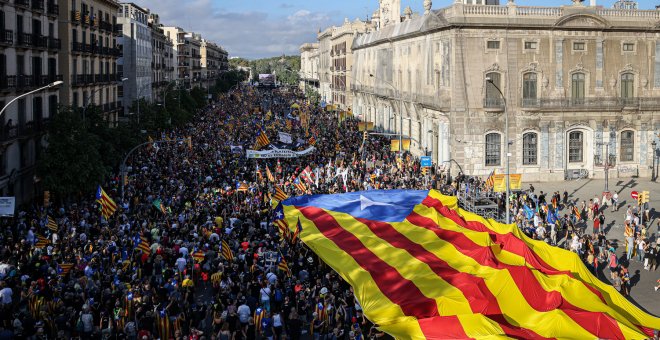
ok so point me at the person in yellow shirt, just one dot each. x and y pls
(187, 282)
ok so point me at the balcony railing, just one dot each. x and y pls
(6, 37)
(593, 103)
(39, 41)
(38, 5)
(493, 103)
(24, 81)
(8, 133)
(24, 39)
(53, 8)
(54, 43)
(23, 3)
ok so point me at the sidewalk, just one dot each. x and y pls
(642, 280)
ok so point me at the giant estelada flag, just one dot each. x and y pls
(422, 268)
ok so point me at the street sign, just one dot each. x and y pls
(634, 195)
(425, 161)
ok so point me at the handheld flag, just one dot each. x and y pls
(417, 251)
(283, 266)
(490, 181)
(296, 233)
(141, 243)
(269, 174)
(226, 252)
(262, 140)
(158, 203)
(241, 186)
(576, 212)
(280, 195)
(64, 268)
(198, 256)
(52, 225)
(312, 141)
(108, 206)
(280, 222)
(300, 185)
(41, 241)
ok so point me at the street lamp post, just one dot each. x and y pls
(506, 137)
(53, 84)
(654, 166)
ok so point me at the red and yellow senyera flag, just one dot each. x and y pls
(423, 268)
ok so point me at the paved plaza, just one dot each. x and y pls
(643, 281)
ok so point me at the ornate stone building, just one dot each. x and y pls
(336, 60)
(580, 85)
(309, 66)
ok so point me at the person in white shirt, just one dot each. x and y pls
(181, 264)
(244, 313)
(265, 297)
(5, 294)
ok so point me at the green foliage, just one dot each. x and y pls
(81, 155)
(73, 162)
(236, 62)
(285, 67)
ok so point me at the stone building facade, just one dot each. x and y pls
(309, 66)
(29, 50)
(89, 32)
(580, 86)
(162, 59)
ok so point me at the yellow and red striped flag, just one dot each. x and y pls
(490, 181)
(283, 266)
(226, 251)
(421, 267)
(41, 241)
(64, 268)
(143, 245)
(108, 206)
(280, 195)
(198, 256)
(52, 225)
(269, 174)
(262, 140)
(576, 211)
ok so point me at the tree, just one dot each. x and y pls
(72, 163)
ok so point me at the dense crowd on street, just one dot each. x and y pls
(193, 251)
(157, 266)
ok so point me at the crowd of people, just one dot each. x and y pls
(191, 250)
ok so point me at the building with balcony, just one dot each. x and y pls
(163, 59)
(336, 60)
(309, 66)
(193, 57)
(136, 61)
(181, 53)
(88, 60)
(580, 85)
(213, 62)
(29, 49)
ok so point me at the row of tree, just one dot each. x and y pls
(284, 67)
(81, 154)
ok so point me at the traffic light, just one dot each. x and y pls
(645, 196)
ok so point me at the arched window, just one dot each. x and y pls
(577, 87)
(627, 85)
(575, 147)
(530, 143)
(493, 96)
(493, 149)
(627, 146)
(529, 88)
